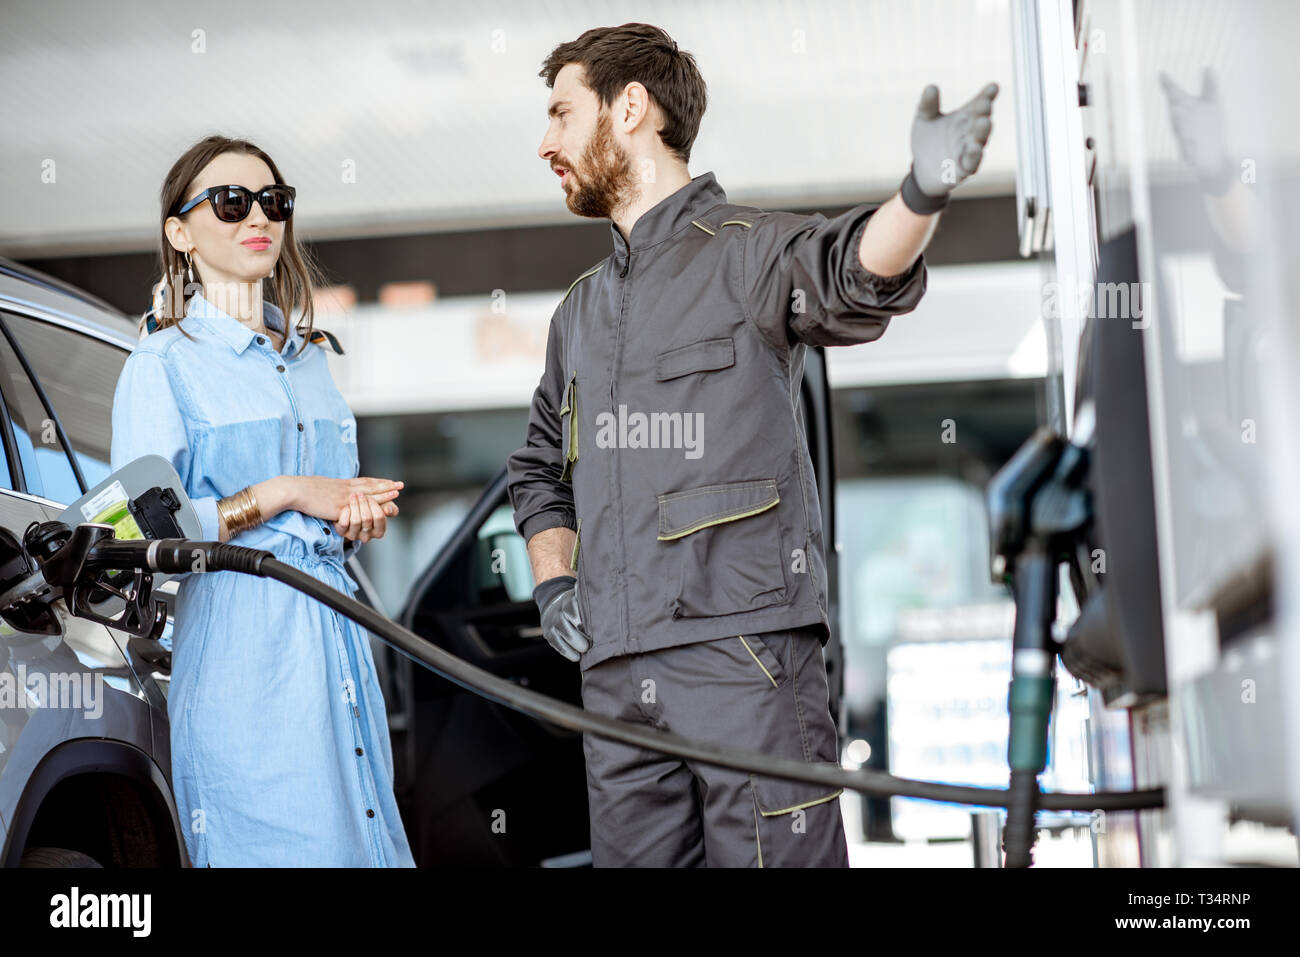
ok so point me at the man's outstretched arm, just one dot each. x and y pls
(894, 237)
(946, 149)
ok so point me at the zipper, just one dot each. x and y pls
(618, 340)
(618, 491)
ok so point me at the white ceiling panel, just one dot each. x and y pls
(439, 109)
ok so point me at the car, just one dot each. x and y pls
(92, 786)
(88, 785)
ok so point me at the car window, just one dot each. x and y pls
(45, 466)
(79, 374)
(6, 473)
(501, 560)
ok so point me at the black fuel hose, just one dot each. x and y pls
(173, 556)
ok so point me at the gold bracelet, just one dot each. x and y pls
(240, 511)
(227, 510)
(248, 514)
(252, 514)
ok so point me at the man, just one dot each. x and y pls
(665, 491)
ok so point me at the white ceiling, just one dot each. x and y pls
(442, 128)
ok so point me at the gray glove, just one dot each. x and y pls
(561, 621)
(946, 148)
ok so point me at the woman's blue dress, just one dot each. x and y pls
(279, 738)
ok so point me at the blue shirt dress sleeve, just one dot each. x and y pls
(148, 419)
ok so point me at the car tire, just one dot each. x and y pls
(56, 857)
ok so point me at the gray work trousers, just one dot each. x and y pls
(756, 692)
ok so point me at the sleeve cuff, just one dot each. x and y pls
(545, 593)
(208, 525)
(886, 283)
(919, 202)
(551, 518)
(864, 279)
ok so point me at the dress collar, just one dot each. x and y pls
(670, 214)
(235, 333)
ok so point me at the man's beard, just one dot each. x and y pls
(607, 180)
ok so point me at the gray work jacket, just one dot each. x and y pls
(665, 428)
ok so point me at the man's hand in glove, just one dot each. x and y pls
(946, 147)
(561, 623)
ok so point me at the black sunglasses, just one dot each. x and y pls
(231, 204)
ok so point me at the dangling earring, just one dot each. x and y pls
(189, 266)
(272, 275)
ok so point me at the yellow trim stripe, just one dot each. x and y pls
(711, 232)
(799, 807)
(718, 521)
(593, 270)
(570, 408)
(736, 222)
(756, 661)
(577, 537)
(573, 433)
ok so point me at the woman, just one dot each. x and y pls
(279, 738)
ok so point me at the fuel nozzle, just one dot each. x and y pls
(1038, 505)
(56, 561)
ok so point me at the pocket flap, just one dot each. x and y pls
(703, 356)
(776, 797)
(569, 429)
(681, 513)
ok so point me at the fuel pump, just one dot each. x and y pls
(1038, 506)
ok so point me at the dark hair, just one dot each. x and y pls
(613, 57)
(295, 273)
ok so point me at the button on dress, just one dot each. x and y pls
(279, 736)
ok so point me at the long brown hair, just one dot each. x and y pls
(295, 275)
